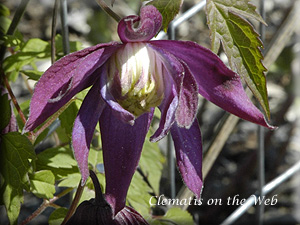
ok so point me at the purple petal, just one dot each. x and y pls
(117, 109)
(64, 79)
(84, 127)
(188, 149)
(150, 23)
(129, 216)
(216, 82)
(188, 100)
(168, 108)
(122, 145)
(173, 75)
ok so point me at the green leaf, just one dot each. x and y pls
(151, 163)
(16, 156)
(175, 216)
(5, 112)
(240, 42)
(32, 74)
(168, 9)
(138, 194)
(57, 217)
(59, 160)
(12, 199)
(72, 180)
(42, 184)
(68, 117)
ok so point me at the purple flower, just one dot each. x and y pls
(128, 80)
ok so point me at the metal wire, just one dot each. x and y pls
(64, 26)
(261, 138)
(266, 189)
(185, 16)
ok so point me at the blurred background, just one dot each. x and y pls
(234, 171)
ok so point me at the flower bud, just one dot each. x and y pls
(97, 211)
(135, 78)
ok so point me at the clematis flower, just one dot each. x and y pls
(97, 211)
(129, 80)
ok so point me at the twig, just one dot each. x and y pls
(108, 10)
(44, 205)
(74, 203)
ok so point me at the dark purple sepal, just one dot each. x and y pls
(188, 100)
(84, 126)
(216, 82)
(188, 148)
(150, 21)
(122, 145)
(64, 79)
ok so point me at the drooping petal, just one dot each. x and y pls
(188, 147)
(122, 145)
(188, 100)
(117, 110)
(172, 74)
(168, 108)
(64, 79)
(150, 22)
(84, 126)
(216, 82)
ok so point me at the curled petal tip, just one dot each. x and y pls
(150, 22)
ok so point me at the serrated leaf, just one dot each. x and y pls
(72, 180)
(42, 184)
(138, 194)
(57, 217)
(168, 9)
(240, 42)
(59, 160)
(5, 112)
(16, 156)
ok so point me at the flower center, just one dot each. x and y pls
(135, 78)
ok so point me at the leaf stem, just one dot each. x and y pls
(74, 203)
(44, 205)
(108, 10)
(53, 118)
(14, 100)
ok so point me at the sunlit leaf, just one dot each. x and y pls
(168, 9)
(240, 42)
(42, 184)
(59, 160)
